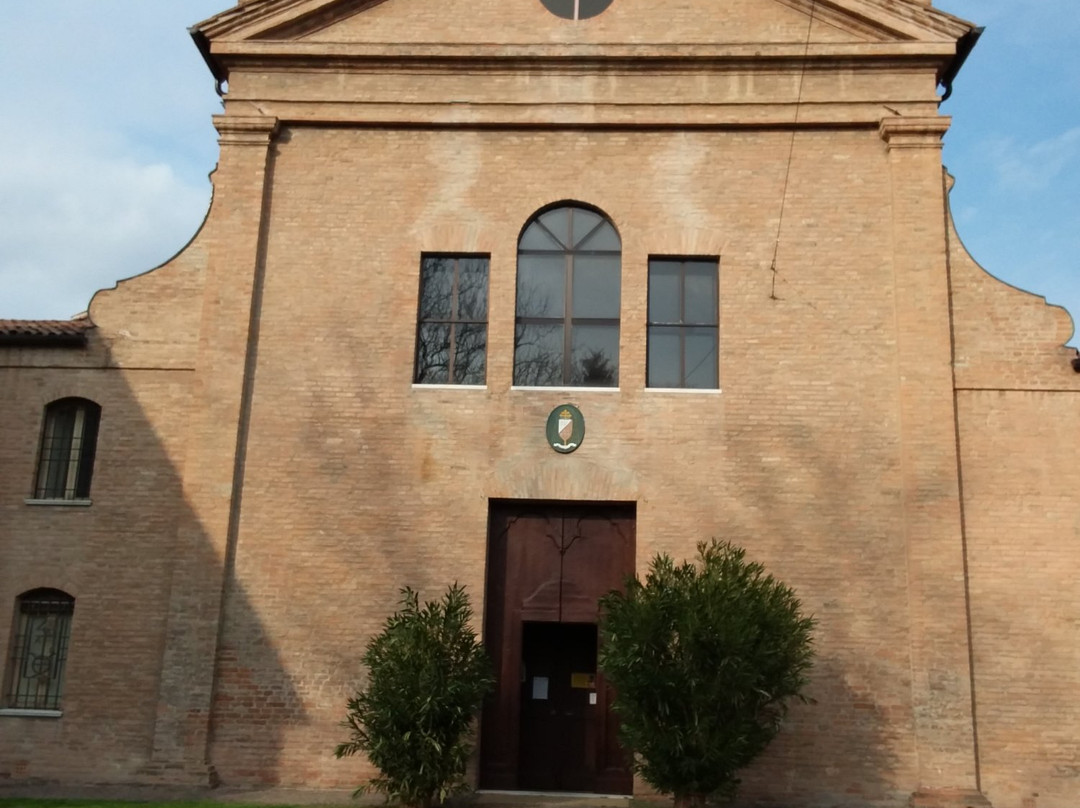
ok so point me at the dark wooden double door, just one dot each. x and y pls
(549, 725)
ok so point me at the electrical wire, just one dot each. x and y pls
(791, 147)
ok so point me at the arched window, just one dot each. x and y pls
(39, 650)
(567, 326)
(68, 443)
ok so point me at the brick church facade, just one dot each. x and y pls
(712, 242)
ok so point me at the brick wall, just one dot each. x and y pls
(1023, 523)
(114, 557)
(1017, 405)
(357, 483)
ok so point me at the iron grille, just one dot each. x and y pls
(68, 443)
(39, 650)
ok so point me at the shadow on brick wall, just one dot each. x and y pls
(828, 523)
(153, 676)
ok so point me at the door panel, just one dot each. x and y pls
(535, 564)
(597, 557)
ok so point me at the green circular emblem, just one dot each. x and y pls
(565, 428)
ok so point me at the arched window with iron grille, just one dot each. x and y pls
(35, 679)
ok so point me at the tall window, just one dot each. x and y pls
(451, 333)
(683, 331)
(68, 443)
(39, 650)
(567, 326)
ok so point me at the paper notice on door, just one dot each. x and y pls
(592, 698)
(540, 688)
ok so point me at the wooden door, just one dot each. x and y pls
(549, 563)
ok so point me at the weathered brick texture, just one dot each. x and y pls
(890, 436)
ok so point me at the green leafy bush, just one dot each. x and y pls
(703, 659)
(428, 675)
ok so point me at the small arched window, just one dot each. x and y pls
(39, 650)
(68, 444)
(567, 325)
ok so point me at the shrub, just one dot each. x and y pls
(427, 677)
(703, 659)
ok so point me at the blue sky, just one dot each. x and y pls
(1014, 145)
(107, 145)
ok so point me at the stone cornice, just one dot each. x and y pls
(245, 130)
(917, 20)
(645, 55)
(731, 117)
(901, 132)
(668, 90)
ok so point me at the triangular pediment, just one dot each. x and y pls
(625, 22)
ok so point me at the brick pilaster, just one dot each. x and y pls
(213, 460)
(943, 719)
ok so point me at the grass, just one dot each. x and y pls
(21, 802)
(26, 802)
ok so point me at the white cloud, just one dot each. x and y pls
(106, 146)
(1031, 168)
(73, 220)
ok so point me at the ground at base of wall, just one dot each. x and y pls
(132, 796)
(57, 796)
(115, 796)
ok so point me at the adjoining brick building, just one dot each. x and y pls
(714, 236)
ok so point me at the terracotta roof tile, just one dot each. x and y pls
(44, 332)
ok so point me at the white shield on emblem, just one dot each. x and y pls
(566, 429)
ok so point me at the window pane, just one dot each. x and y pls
(584, 222)
(536, 238)
(86, 451)
(664, 365)
(56, 455)
(432, 354)
(596, 286)
(664, 292)
(436, 277)
(701, 294)
(470, 353)
(603, 238)
(538, 354)
(595, 356)
(701, 364)
(590, 8)
(558, 222)
(541, 285)
(472, 288)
